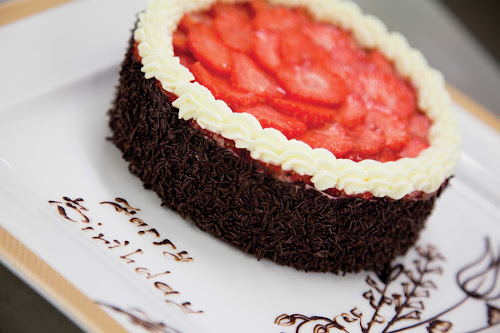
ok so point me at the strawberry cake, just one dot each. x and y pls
(299, 131)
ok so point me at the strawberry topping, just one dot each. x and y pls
(419, 126)
(367, 141)
(394, 129)
(296, 48)
(179, 40)
(279, 18)
(386, 91)
(249, 77)
(268, 117)
(312, 84)
(207, 48)
(340, 46)
(310, 114)
(221, 89)
(266, 49)
(186, 60)
(309, 80)
(332, 137)
(413, 148)
(352, 112)
(380, 62)
(234, 27)
(193, 19)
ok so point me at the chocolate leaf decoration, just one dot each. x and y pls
(397, 301)
(386, 300)
(422, 293)
(390, 274)
(416, 305)
(429, 284)
(378, 319)
(419, 266)
(411, 315)
(406, 289)
(493, 315)
(430, 253)
(412, 277)
(437, 270)
(439, 326)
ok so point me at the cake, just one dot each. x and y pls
(299, 131)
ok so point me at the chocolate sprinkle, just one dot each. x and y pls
(231, 198)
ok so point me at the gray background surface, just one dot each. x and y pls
(427, 24)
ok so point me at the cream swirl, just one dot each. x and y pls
(392, 179)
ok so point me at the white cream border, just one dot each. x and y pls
(392, 179)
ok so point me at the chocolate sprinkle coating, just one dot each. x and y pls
(231, 198)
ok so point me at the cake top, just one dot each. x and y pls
(307, 79)
(299, 144)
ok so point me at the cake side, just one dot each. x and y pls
(235, 200)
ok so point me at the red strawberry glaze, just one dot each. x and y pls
(309, 80)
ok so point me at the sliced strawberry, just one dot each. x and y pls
(186, 60)
(312, 84)
(279, 18)
(328, 37)
(234, 28)
(368, 140)
(207, 48)
(231, 9)
(221, 89)
(249, 77)
(394, 129)
(351, 113)
(259, 6)
(331, 137)
(419, 126)
(297, 48)
(386, 91)
(188, 21)
(380, 62)
(387, 155)
(179, 40)
(266, 49)
(310, 114)
(413, 148)
(338, 43)
(268, 117)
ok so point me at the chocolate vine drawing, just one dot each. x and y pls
(478, 281)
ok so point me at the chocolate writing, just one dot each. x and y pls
(73, 210)
(127, 256)
(126, 208)
(165, 242)
(147, 272)
(153, 231)
(75, 207)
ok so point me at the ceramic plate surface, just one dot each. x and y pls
(67, 194)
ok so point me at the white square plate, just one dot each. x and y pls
(59, 75)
